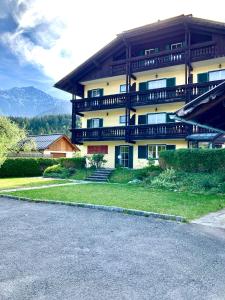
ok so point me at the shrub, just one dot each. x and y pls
(97, 160)
(57, 171)
(166, 179)
(75, 162)
(193, 160)
(146, 172)
(25, 167)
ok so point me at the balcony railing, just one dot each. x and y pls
(198, 52)
(175, 130)
(155, 96)
(165, 58)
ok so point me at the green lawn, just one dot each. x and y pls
(10, 183)
(135, 197)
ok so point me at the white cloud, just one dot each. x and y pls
(77, 29)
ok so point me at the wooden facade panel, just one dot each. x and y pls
(61, 145)
(58, 154)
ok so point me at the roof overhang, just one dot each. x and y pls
(207, 110)
(71, 82)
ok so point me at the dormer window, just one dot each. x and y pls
(176, 46)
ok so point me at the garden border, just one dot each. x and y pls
(117, 209)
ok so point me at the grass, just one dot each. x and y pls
(10, 183)
(188, 205)
(81, 174)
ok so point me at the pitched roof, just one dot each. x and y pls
(67, 83)
(43, 141)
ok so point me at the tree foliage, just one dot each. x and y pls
(10, 136)
(46, 124)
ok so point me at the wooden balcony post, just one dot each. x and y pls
(128, 85)
(74, 118)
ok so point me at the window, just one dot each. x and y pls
(154, 150)
(94, 123)
(97, 149)
(156, 84)
(123, 88)
(217, 75)
(204, 145)
(176, 46)
(193, 144)
(156, 118)
(149, 51)
(200, 144)
(95, 93)
(123, 119)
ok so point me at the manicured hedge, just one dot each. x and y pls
(75, 162)
(193, 160)
(27, 167)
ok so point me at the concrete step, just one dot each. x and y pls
(100, 175)
(96, 179)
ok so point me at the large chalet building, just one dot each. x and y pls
(127, 93)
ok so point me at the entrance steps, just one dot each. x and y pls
(100, 175)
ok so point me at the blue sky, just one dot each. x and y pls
(43, 40)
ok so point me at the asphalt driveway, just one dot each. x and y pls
(61, 252)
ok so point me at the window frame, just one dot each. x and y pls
(175, 44)
(156, 150)
(94, 90)
(92, 122)
(157, 114)
(150, 51)
(122, 85)
(123, 116)
(215, 71)
(155, 80)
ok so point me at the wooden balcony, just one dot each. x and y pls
(155, 96)
(175, 130)
(167, 58)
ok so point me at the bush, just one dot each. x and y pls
(146, 172)
(57, 171)
(97, 160)
(193, 160)
(28, 167)
(25, 167)
(75, 162)
(123, 175)
(165, 180)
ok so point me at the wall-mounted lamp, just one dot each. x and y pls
(107, 114)
(156, 75)
(107, 83)
(156, 109)
(220, 66)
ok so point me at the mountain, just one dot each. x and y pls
(30, 102)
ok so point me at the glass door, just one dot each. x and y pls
(124, 156)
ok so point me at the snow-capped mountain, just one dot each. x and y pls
(30, 102)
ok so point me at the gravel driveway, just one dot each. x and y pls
(61, 252)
